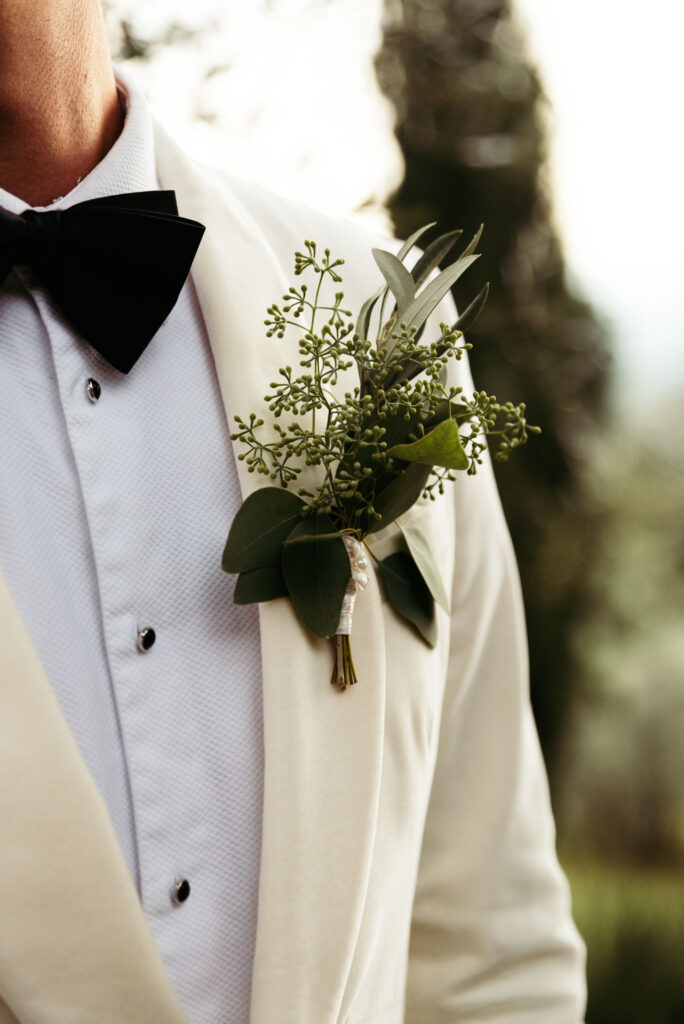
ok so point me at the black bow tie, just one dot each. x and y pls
(115, 265)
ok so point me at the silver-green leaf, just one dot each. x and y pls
(434, 253)
(473, 243)
(472, 310)
(427, 300)
(398, 279)
(412, 239)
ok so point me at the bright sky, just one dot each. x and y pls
(614, 71)
(298, 109)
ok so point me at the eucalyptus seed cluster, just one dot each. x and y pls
(401, 392)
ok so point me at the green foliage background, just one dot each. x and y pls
(594, 505)
(471, 129)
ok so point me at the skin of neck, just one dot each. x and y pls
(59, 108)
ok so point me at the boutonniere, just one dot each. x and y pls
(368, 421)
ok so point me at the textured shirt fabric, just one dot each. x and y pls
(113, 518)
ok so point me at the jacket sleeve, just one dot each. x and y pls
(492, 936)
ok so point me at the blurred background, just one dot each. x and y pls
(556, 125)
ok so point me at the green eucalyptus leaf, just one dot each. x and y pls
(399, 495)
(316, 572)
(472, 310)
(424, 559)
(257, 585)
(398, 279)
(434, 253)
(264, 520)
(441, 446)
(409, 595)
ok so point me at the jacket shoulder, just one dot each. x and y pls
(282, 222)
(286, 223)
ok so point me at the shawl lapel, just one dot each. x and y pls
(323, 749)
(74, 943)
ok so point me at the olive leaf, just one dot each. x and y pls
(473, 243)
(416, 314)
(464, 322)
(412, 239)
(405, 250)
(472, 310)
(363, 321)
(420, 551)
(264, 520)
(433, 255)
(316, 570)
(424, 303)
(398, 279)
(408, 594)
(258, 585)
(439, 447)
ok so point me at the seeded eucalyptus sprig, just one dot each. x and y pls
(396, 432)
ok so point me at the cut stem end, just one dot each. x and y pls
(344, 673)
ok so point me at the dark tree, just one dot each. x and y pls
(470, 121)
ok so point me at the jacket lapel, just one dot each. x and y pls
(323, 749)
(74, 944)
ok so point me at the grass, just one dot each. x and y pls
(632, 921)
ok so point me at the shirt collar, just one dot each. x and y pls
(129, 166)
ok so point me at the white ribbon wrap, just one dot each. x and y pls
(358, 581)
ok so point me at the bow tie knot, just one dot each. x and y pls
(114, 265)
(30, 237)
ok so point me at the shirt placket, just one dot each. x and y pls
(132, 633)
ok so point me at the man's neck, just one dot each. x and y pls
(59, 108)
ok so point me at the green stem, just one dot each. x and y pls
(351, 676)
(317, 369)
(344, 672)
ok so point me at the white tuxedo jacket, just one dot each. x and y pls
(408, 871)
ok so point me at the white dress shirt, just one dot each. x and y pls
(113, 517)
